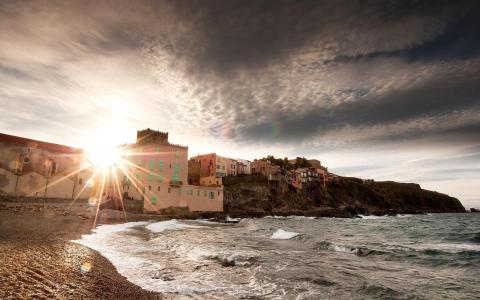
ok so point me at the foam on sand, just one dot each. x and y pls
(281, 234)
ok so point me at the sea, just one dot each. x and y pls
(434, 256)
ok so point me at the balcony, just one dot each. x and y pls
(176, 182)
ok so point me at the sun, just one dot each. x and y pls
(104, 155)
(102, 146)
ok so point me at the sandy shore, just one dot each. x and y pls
(37, 259)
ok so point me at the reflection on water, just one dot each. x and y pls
(425, 257)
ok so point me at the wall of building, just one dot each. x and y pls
(222, 166)
(208, 164)
(243, 166)
(35, 172)
(264, 167)
(211, 181)
(158, 174)
(231, 167)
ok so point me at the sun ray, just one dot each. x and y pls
(119, 193)
(83, 188)
(63, 177)
(137, 187)
(99, 199)
(140, 167)
(132, 180)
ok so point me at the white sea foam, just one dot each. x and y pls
(345, 249)
(232, 220)
(292, 217)
(167, 263)
(450, 247)
(372, 217)
(404, 216)
(281, 234)
(107, 229)
(168, 225)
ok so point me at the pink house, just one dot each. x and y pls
(157, 173)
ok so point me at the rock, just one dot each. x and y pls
(254, 196)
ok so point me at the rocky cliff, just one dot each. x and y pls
(255, 195)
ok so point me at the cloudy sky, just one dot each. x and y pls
(375, 89)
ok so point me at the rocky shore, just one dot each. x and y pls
(37, 259)
(256, 196)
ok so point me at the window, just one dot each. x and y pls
(149, 187)
(160, 178)
(211, 195)
(160, 165)
(218, 167)
(170, 166)
(150, 177)
(158, 188)
(169, 190)
(223, 167)
(80, 181)
(205, 193)
(219, 193)
(151, 164)
(153, 200)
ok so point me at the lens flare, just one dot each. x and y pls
(86, 267)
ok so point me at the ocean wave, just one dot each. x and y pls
(228, 219)
(292, 217)
(450, 248)
(476, 238)
(281, 234)
(372, 217)
(359, 251)
(161, 226)
(232, 259)
(114, 228)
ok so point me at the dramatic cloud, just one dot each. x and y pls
(382, 89)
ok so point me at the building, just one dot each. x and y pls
(32, 168)
(213, 165)
(211, 181)
(264, 167)
(302, 176)
(322, 175)
(243, 166)
(194, 173)
(231, 167)
(157, 173)
(153, 171)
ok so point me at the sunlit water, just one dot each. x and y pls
(406, 257)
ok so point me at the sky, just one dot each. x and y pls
(388, 90)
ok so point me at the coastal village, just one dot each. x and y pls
(153, 174)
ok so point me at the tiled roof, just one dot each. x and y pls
(16, 140)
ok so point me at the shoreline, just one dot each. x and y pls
(39, 259)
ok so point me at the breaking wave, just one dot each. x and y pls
(359, 251)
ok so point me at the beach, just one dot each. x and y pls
(38, 259)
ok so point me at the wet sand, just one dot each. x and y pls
(37, 259)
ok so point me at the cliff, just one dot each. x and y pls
(255, 195)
